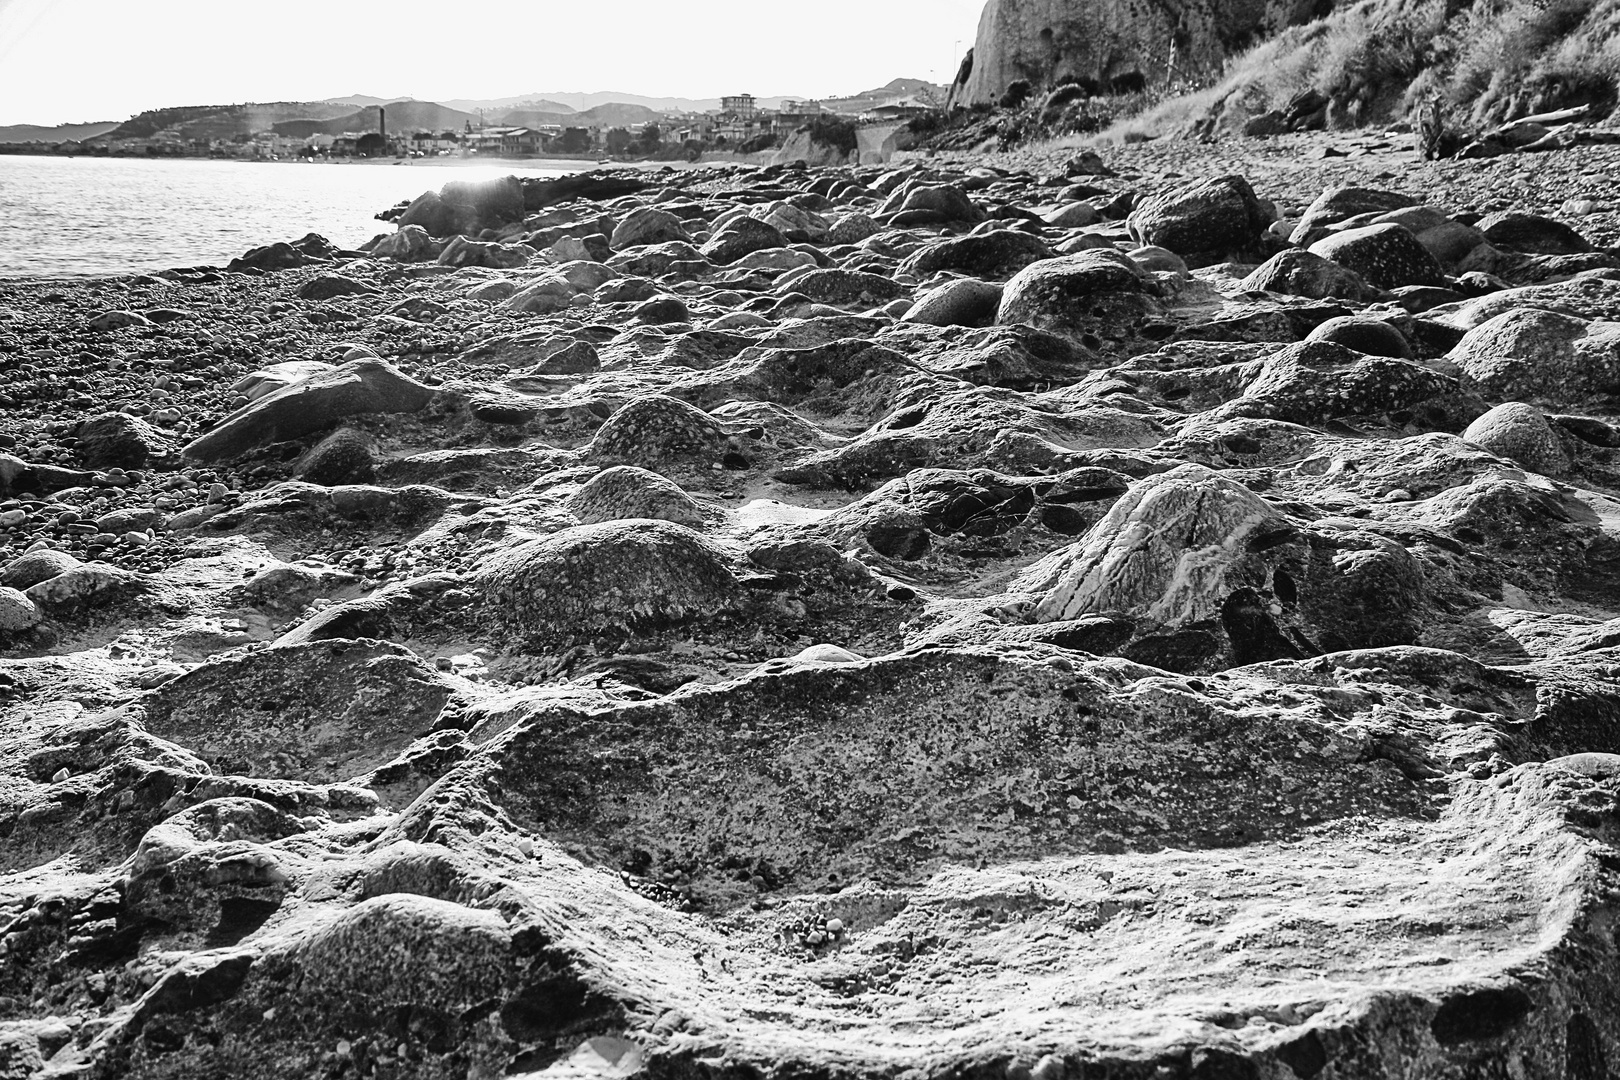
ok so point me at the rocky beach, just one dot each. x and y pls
(1148, 613)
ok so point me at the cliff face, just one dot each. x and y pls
(1119, 45)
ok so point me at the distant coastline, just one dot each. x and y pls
(547, 161)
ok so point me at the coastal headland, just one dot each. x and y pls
(1151, 613)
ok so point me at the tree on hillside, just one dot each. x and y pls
(617, 140)
(650, 139)
(574, 141)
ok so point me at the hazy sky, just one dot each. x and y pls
(67, 61)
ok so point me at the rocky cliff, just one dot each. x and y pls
(1115, 44)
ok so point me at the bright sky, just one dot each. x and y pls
(72, 61)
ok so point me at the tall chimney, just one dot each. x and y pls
(382, 123)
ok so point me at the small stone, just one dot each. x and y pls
(60, 775)
(17, 611)
(1050, 1067)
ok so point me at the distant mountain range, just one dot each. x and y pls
(358, 112)
(559, 103)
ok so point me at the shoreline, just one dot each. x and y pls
(579, 164)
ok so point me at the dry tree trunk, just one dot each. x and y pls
(1431, 130)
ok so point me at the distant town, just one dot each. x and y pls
(413, 129)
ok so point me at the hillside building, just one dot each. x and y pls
(795, 114)
(507, 142)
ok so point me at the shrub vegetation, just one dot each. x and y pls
(1378, 60)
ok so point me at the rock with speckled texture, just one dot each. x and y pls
(1386, 255)
(1520, 432)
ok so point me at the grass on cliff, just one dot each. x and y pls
(1378, 60)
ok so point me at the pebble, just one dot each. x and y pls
(1050, 1067)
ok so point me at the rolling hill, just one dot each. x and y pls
(22, 133)
(401, 116)
(222, 121)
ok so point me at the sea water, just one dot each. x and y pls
(95, 216)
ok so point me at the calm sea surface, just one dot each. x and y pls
(83, 217)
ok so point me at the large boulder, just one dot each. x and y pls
(794, 222)
(997, 254)
(463, 252)
(657, 431)
(841, 287)
(325, 711)
(330, 286)
(466, 206)
(429, 213)
(922, 204)
(33, 567)
(649, 225)
(1208, 574)
(545, 293)
(1298, 272)
(1533, 355)
(410, 243)
(625, 491)
(310, 406)
(1163, 553)
(1340, 204)
(267, 380)
(1387, 256)
(962, 302)
(1520, 433)
(742, 236)
(1098, 299)
(612, 576)
(483, 204)
(1374, 337)
(1205, 221)
(1532, 234)
(118, 439)
(852, 228)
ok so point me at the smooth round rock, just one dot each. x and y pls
(17, 612)
(1371, 336)
(626, 491)
(1298, 272)
(1203, 221)
(1520, 432)
(1385, 255)
(963, 302)
(35, 566)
